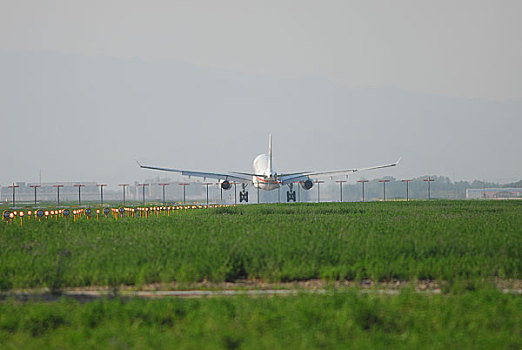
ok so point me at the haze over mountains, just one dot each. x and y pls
(89, 118)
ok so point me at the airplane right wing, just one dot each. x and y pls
(218, 176)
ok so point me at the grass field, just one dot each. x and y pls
(441, 240)
(483, 319)
(464, 245)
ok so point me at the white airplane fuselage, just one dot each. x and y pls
(263, 166)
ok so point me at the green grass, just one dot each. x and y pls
(445, 240)
(464, 243)
(482, 319)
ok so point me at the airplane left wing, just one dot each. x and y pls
(218, 176)
(294, 177)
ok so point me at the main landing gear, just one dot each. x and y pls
(290, 195)
(243, 195)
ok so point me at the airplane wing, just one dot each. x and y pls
(219, 176)
(294, 177)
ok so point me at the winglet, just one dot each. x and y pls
(141, 166)
(398, 161)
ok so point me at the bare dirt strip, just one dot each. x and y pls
(247, 287)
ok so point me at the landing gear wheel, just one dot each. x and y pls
(243, 196)
(290, 196)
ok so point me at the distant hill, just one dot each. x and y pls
(80, 117)
(517, 184)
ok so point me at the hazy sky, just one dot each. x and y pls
(468, 48)
(197, 77)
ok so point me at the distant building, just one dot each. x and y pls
(494, 193)
(90, 192)
(46, 191)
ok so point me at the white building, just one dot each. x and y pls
(494, 193)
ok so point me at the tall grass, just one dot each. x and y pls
(482, 319)
(395, 240)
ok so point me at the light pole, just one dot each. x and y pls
(13, 186)
(35, 187)
(384, 182)
(123, 186)
(79, 194)
(407, 188)
(341, 189)
(235, 192)
(184, 184)
(163, 185)
(362, 182)
(207, 184)
(221, 193)
(429, 180)
(58, 194)
(101, 186)
(143, 192)
(318, 182)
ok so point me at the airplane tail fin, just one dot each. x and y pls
(270, 153)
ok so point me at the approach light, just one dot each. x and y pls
(21, 214)
(46, 213)
(29, 213)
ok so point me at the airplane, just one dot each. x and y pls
(266, 178)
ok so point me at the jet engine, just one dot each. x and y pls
(308, 184)
(226, 185)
